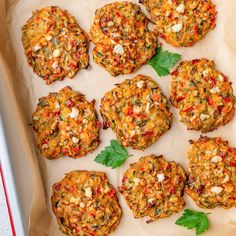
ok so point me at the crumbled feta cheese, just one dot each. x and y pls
(48, 37)
(57, 105)
(221, 78)
(118, 49)
(82, 204)
(140, 84)
(160, 177)
(45, 146)
(55, 64)
(74, 113)
(150, 200)
(216, 189)
(35, 118)
(215, 90)
(106, 189)
(132, 132)
(204, 117)
(226, 179)
(88, 192)
(148, 107)
(75, 140)
(36, 47)
(177, 27)
(180, 8)
(85, 121)
(137, 109)
(56, 53)
(110, 23)
(206, 72)
(115, 35)
(170, 2)
(136, 181)
(216, 159)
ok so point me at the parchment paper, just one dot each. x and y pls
(219, 45)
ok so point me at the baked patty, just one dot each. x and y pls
(212, 173)
(66, 124)
(55, 45)
(85, 203)
(153, 187)
(182, 22)
(137, 111)
(122, 40)
(203, 95)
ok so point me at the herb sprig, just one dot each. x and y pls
(194, 219)
(163, 61)
(113, 155)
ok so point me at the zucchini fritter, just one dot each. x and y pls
(66, 124)
(55, 45)
(203, 95)
(212, 173)
(182, 22)
(85, 204)
(122, 40)
(153, 187)
(137, 111)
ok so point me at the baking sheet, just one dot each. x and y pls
(219, 45)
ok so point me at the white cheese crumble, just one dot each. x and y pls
(45, 146)
(75, 140)
(177, 27)
(160, 177)
(148, 107)
(88, 192)
(216, 189)
(136, 181)
(36, 47)
(215, 90)
(56, 53)
(150, 200)
(57, 105)
(48, 37)
(216, 159)
(110, 23)
(180, 8)
(82, 204)
(55, 64)
(221, 78)
(140, 84)
(74, 113)
(204, 117)
(170, 2)
(206, 72)
(118, 49)
(137, 109)
(115, 35)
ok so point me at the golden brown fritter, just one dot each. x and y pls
(182, 22)
(203, 95)
(55, 45)
(137, 111)
(153, 187)
(122, 40)
(85, 204)
(212, 173)
(66, 124)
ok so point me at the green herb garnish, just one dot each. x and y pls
(113, 155)
(163, 61)
(193, 219)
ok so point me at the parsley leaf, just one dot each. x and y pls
(163, 61)
(194, 219)
(113, 156)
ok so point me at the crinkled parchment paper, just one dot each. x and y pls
(35, 189)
